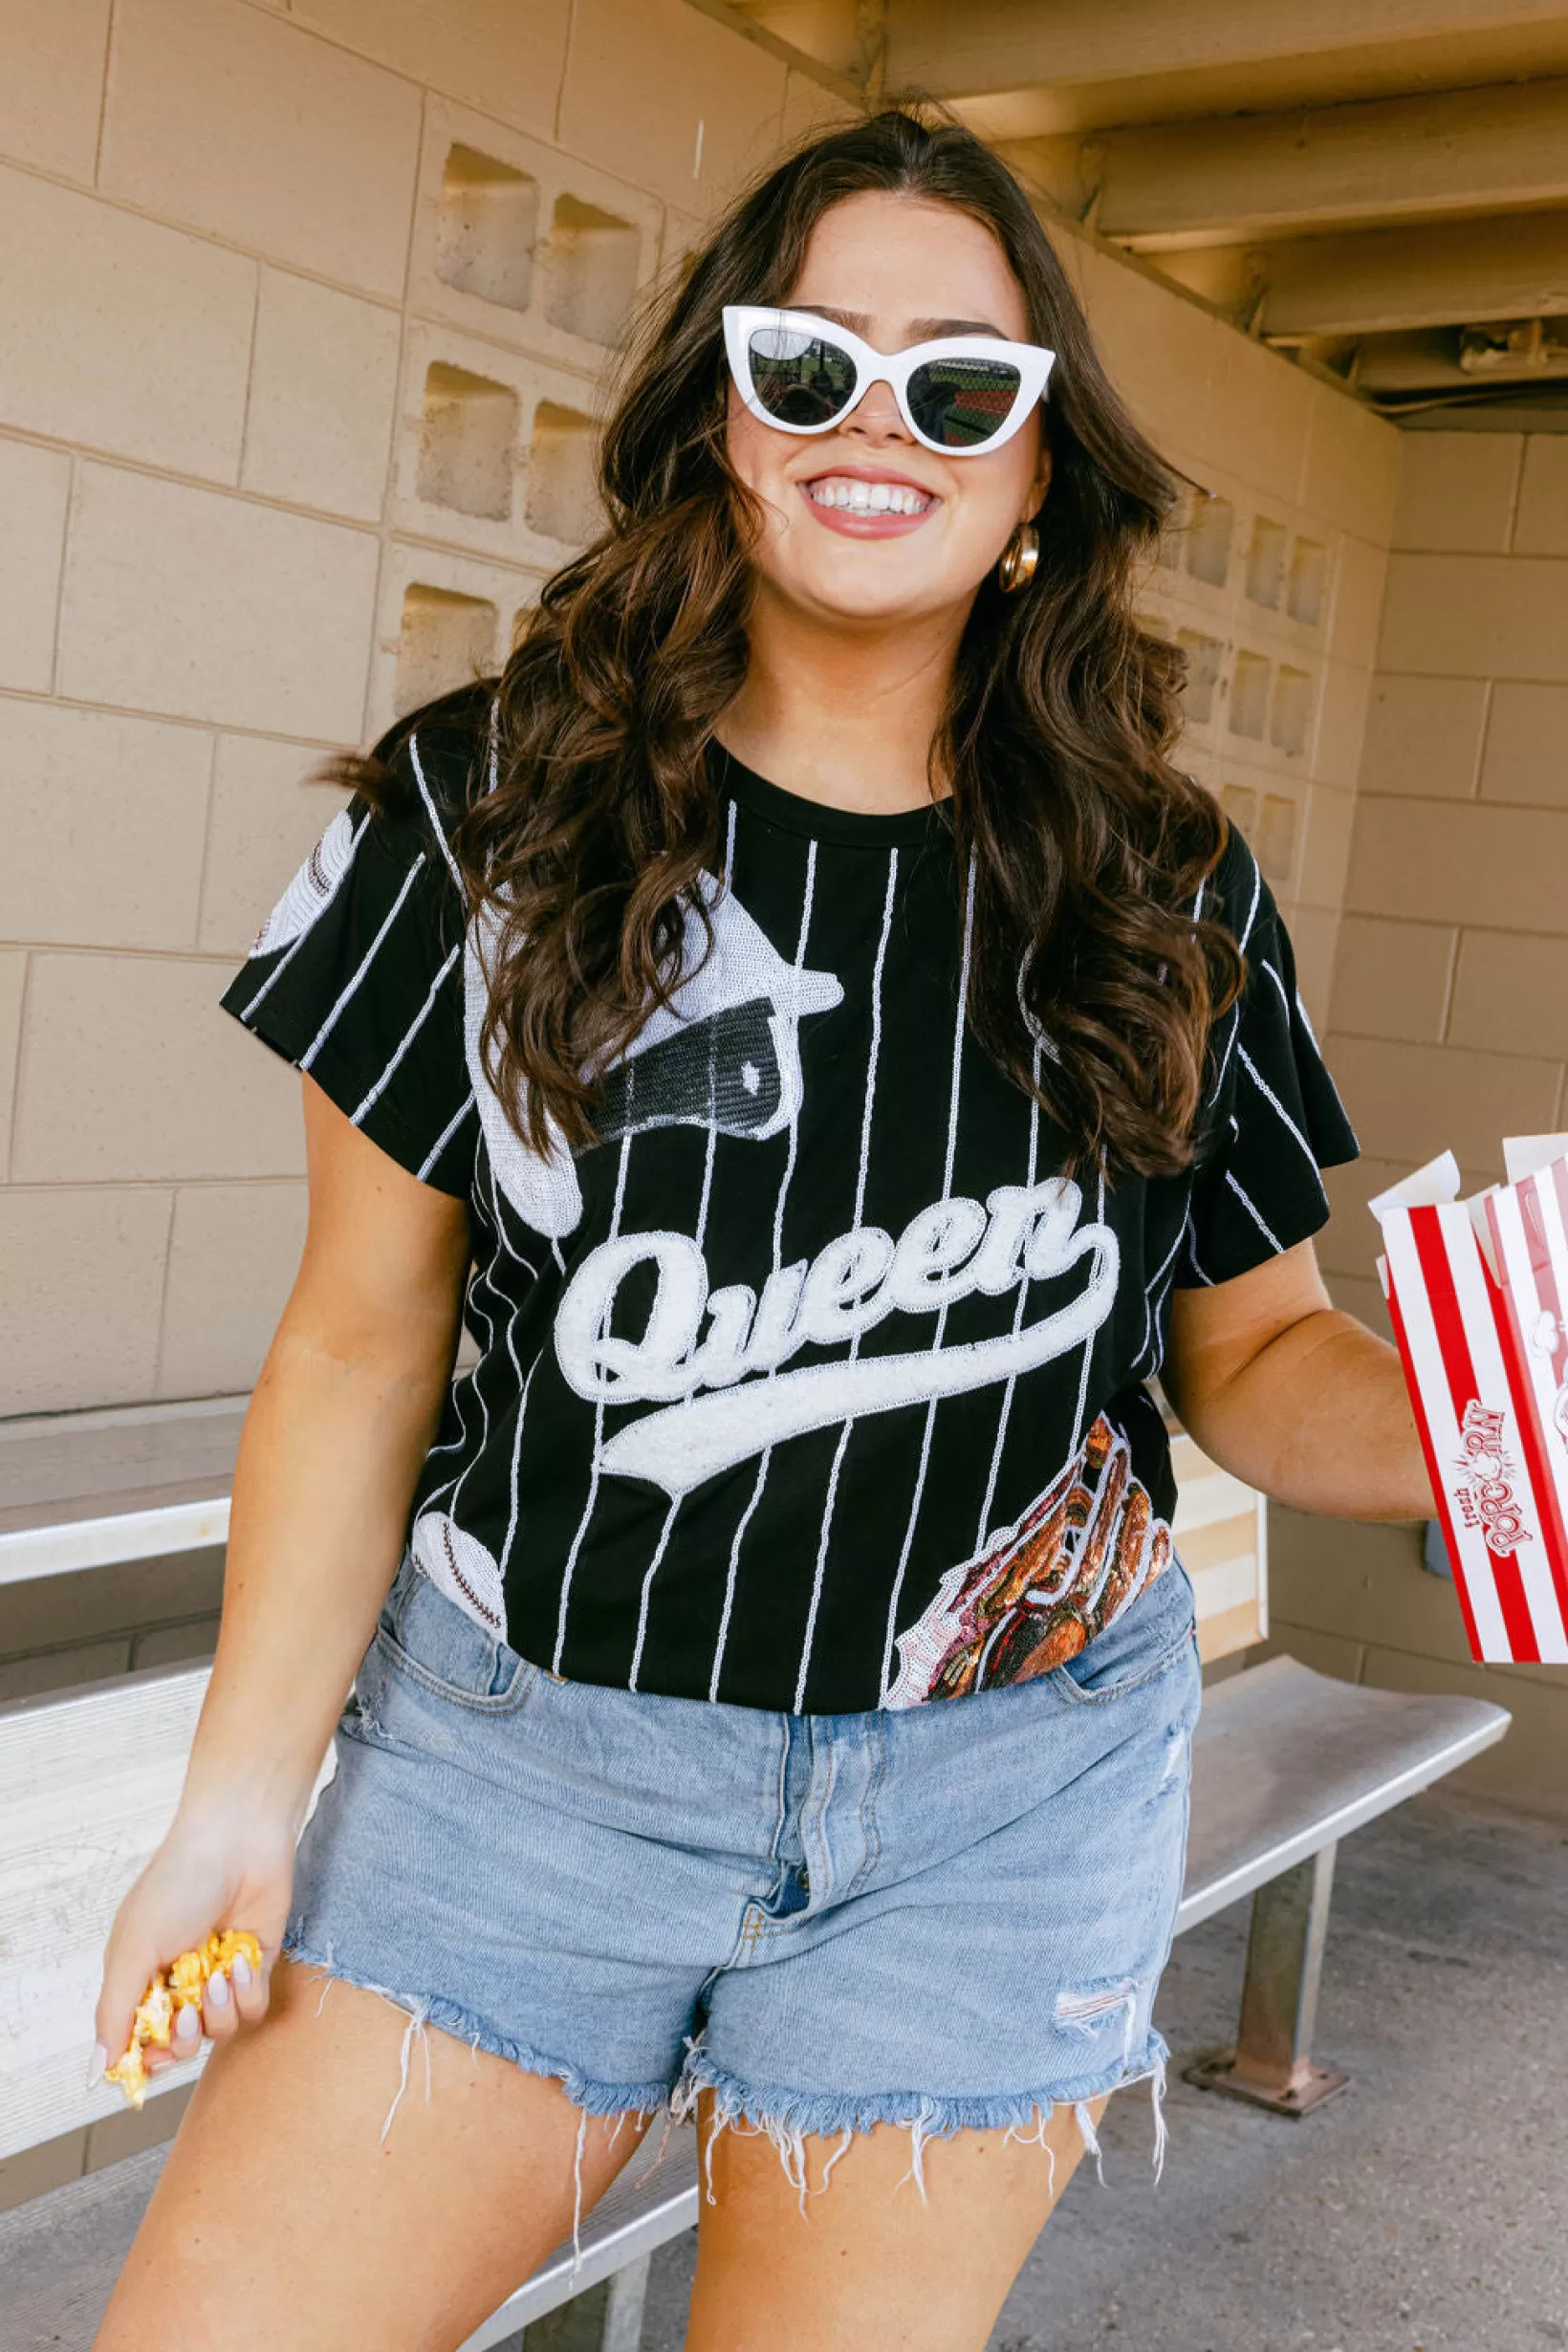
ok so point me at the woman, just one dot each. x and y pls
(852, 1062)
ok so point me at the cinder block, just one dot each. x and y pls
(1359, 576)
(486, 227)
(1457, 861)
(12, 983)
(1526, 756)
(233, 1254)
(422, 647)
(713, 120)
(1292, 708)
(1278, 840)
(491, 53)
(1511, 994)
(1391, 979)
(131, 1071)
(36, 2171)
(34, 487)
(1343, 698)
(1456, 492)
(518, 244)
(468, 443)
(1407, 1102)
(563, 489)
(1204, 659)
(1325, 851)
(213, 607)
(60, 1670)
(1475, 617)
(496, 449)
(84, 1280)
(1209, 539)
(594, 260)
(1250, 677)
(1265, 583)
(1307, 584)
(1424, 737)
(446, 641)
(1260, 412)
(1542, 525)
(243, 123)
(323, 394)
(105, 819)
(120, 333)
(1160, 351)
(266, 819)
(1352, 468)
(52, 89)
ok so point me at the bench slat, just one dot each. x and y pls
(1285, 1761)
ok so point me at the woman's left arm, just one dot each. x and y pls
(1288, 1394)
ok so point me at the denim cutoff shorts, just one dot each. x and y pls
(944, 1916)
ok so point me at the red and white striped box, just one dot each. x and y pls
(1477, 1293)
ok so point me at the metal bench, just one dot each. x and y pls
(1285, 1763)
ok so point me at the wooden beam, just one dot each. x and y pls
(1210, 181)
(1377, 281)
(993, 45)
(749, 25)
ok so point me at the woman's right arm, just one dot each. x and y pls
(338, 1426)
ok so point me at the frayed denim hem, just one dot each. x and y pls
(428, 2009)
(790, 2118)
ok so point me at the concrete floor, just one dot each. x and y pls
(1424, 2211)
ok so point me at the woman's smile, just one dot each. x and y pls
(869, 502)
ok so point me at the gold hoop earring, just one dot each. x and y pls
(1019, 557)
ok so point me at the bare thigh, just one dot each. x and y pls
(869, 2263)
(282, 2217)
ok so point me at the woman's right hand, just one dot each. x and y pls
(221, 1866)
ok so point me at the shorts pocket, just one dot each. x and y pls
(1144, 1641)
(423, 1637)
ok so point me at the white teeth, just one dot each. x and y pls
(868, 497)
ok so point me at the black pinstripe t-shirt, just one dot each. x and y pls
(812, 1386)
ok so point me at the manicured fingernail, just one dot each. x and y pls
(98, 2060)
(187, 2023)
(245, 1975)
(217, 1989)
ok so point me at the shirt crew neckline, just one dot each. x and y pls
(817, 819)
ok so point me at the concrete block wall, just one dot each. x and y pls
(1448, 1025)
(1272, 579)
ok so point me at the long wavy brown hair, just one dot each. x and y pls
(1088, 845)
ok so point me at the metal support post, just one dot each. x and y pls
(1270, 2064)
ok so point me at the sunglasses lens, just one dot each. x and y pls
(802, 380)
(963, 403)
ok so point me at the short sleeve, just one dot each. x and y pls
(356, 975)
(1272, 1116)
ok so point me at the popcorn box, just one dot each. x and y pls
(1477, 1293)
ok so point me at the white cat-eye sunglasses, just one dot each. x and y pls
(960, 395)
